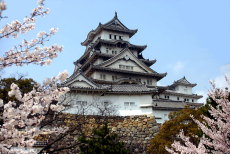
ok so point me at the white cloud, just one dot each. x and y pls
(202, 93)
(220, 80)
(178, 67)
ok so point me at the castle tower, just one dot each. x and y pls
(112, 70)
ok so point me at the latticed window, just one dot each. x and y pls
(126, 67)
(114, 52)
(82, 103)
(114, 78)
(129, 105)
(166, 97)
(102, 76)
(149, 82)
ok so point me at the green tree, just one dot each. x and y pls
(169, 130)
(25, 85)
(102, 142)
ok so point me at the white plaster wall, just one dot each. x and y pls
(184, 89)
(172, 97)
(110, 49)
(81, 84)
(136, 68)
(105, 35)
(98, 61)
(117, 100)
(96, 75)
(96, 37)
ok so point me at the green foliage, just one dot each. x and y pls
(169, 130)
(25, 85)
(102, 142)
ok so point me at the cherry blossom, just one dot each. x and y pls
(216, 131)
(22, 118)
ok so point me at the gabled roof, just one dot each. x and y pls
(99, 41)
(172, 105)
(126, 88)
(79, 77)
(175, 93)
(128, 55)
(113, 25)
(183, 81)
(96, 54)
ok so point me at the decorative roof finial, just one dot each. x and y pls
(115, 14)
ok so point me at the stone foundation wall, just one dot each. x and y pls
(135, 131)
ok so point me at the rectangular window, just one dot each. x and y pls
(102, 76)
(114, 78)
(192, 100)
(115, 37)
(178, 98)
(129, 105)
(166, 97)
(105, 103)
(126, 67)
(110, 36)
(107, 50)
(120, 38)
(114, 52)
(149, 82)
(82, 103)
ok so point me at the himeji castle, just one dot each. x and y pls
(113, 70)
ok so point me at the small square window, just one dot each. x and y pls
(114, 78)
(102, 76)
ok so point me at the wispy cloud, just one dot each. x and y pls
(220, 80)
(202, 93)
(178, 67)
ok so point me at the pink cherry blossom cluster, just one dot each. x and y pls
(32, 51)
(16, 27)
(217, 129)
(22, 120)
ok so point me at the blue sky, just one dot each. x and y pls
(188, 38)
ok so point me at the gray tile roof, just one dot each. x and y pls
(183, 81)
(175, 93)
(131, 88)
(169, 104)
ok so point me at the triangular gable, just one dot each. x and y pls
(115, 22)
(183, 81)
(80, 81)
(127, 55)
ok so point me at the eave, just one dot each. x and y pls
(183, 95)
(105, 69)
(126, 44)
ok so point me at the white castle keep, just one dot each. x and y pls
(112, 70)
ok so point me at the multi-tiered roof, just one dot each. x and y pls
(113, 67)
(88, 64)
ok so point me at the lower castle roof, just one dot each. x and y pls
(163, 104)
